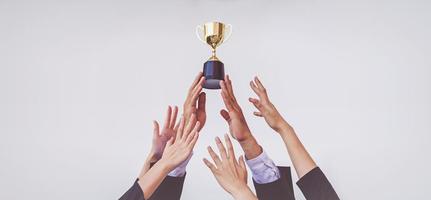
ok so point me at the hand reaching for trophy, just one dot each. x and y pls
(238, 126)
(233, 115)
(264, 106)
(195, 101)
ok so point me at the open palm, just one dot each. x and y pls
(233, 115)
(160, 138)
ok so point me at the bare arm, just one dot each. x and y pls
(153, 178)
(302, 161)
(150, 159)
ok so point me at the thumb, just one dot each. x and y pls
(201, 101)
(155, 129)
(256, 103)
(169, 143)
(225, 115)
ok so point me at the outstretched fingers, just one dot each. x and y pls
(230, 150)
(226, 97)
(168, 117)
(259, 84)
(190, 125)
(197, 79)
(255, 88)
(229, 87)
(173, 117)
(193, 141)
(214, 156)
(197, 90)
(258, 105)
(180, 129)
(255, 102)
(211, 166)
(221, 149)
(193, 133)
(258, 88)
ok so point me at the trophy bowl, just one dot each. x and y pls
(213, 34)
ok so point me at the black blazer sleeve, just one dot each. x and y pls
(315, 186)
(281, 189)
(134, 193)
(170, 189)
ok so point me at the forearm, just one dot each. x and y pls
(152, 179)
(250, 147)
(301, 159)
(147, 165)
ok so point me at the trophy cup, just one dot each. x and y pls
(213, 34)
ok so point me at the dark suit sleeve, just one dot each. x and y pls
(281, 189)
(134, 193)
(315, 186)
(170, 189)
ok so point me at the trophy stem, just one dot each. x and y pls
(213, 55)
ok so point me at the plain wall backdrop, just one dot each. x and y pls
(81, 82)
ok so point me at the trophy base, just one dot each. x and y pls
(214, 73)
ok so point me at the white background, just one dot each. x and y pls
(81, 81)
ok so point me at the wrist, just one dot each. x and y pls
(152, 157)
(242, 193)
(284, 128)
(251, 148)
(164, 166)
(248, 141)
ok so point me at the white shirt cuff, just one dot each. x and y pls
(180, 170)
(263, 169)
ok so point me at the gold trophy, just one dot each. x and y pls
(213, 34)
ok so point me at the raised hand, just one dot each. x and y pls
(230, 173)
(265, 108)
(233, 115)
(168, 131)
(301, 160)
(195, 95)
(177, 149)
(180, 147)
(160, 138)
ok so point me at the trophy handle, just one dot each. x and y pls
(228, 31)
(199, 33)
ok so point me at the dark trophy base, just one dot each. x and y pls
(214, 73)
